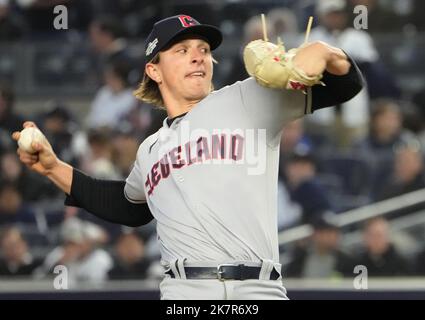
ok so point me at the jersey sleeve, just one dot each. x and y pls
(134, 184)
(271, 109)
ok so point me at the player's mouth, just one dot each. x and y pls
(196, 74)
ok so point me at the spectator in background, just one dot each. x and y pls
(408, 174)
(130, 261)
(98, 160)
(349, 121)
(379, 255)
(321, 257)
(386, 133)
(413, 120)
(294, 140)
(108, 40)
(30, 186)
(284, 24)
(386, 128)
(11, 27)
(304, 189)
(12, 208)
(335, 28)
(252, 30)
(289, 213)
(125, 146)
(9, 121)
(137, 16)
(59, 127)
(81, 253)
(17, 259)
(143, 120)
(115, 99)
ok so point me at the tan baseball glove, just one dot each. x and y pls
(273, 67)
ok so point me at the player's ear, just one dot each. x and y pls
(153, 72)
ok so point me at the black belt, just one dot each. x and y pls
(225, 272)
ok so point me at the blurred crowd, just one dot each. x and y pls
(367, 150)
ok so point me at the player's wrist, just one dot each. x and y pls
(55, 168)
(61, 174)
(338, 63)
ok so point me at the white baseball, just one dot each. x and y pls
(28, 136)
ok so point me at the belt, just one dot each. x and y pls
(225, 272)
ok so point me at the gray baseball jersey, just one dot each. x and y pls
(210, 179)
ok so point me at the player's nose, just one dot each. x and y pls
(196, 56)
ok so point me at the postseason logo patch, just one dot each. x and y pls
(151, 46)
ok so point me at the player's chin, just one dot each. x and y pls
(202, 93)
(199, 91)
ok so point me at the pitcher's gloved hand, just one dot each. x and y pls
(273, 67)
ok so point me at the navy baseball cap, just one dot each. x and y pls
(164, 31)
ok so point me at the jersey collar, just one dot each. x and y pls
(169, 121)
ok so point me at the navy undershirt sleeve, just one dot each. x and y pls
(106, 200)
(337, 89)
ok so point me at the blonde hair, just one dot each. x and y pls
(148, 90)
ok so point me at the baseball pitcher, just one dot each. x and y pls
(216, 214)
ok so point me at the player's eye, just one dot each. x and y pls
(182, 50)
(205, 50)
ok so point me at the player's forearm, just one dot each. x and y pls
(338, 88)
(105, 199)
(61, 176)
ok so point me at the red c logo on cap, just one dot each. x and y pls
(186, 21)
